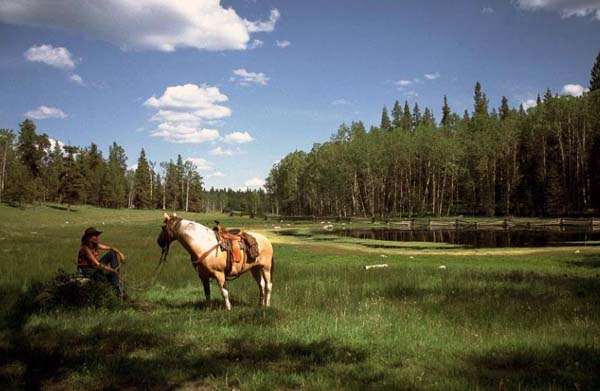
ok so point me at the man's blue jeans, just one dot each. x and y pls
(111, 259)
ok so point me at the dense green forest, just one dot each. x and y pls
(540, 161)
(35, 169)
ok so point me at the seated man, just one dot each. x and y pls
(89, 263)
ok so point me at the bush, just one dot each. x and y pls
(71, 291)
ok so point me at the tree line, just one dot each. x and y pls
(35, 169)
(540, 161)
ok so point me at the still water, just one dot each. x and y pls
(481, 238)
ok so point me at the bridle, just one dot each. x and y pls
(165, 248)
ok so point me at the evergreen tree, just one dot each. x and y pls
(416, 117)
(428, 118)
(504, 109)
(406, 122)
(71, 180)
(446, 113)
(7, 161)
(481, 102)
(397, 115)
(114, 193)
(385, 120)
(95, 174)
(141, 187)
(595, 75)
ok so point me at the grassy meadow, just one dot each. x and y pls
(492, 319)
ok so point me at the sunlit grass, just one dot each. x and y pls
(526, 320)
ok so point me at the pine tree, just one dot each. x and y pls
(7, 157)
(95, 168)
(114, 192)
(385, 120)
(446, 113)
(481, 102)
(504, 109)
(397, 115)
(428, 118)
(595, 75)
(416, 117)
(141, 187)
(406, 122)
(71, 180)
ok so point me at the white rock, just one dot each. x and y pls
(443, 267)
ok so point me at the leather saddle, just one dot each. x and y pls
(237, 244)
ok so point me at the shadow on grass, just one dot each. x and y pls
(558, 367)
(588, 261)
(61, 207)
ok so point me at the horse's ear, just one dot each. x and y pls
(166, 216)
(174, 214)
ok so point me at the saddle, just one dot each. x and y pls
(235, 243)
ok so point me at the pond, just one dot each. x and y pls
(481, 238)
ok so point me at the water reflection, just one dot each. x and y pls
(479, 238)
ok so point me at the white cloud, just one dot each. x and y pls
(403, 83)
(164, 25)
(44, 112)
(215, 174)
(487, 10)
(254, 182)
(566, 8)
(238, 138)
(574, 89)
(201, 163)
(218, 151)
(76, 79)
(182, 110)
(243, 77)
(268, 26)
(55, 57)
(54, 143)
(283, 44)
(340, 102)
(529, 103)
(205, 167)
(256, 44)
(188, 97)
(432, 76)
(182, 134)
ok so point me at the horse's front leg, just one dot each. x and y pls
(220, 277)
(205, 278)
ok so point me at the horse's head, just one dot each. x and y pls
(168, 231)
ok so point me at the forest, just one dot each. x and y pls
(537, 161)
(36, 169)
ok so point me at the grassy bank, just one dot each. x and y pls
(490, 320)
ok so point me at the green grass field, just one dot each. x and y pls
(491, 320)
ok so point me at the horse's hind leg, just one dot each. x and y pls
(266, 277)
(256, 273)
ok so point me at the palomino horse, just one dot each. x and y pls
(210, 261)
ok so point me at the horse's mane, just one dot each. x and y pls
(198, 228)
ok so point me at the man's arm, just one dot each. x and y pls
(90, 255)
(109, 248)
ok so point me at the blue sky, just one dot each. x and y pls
(236, 85)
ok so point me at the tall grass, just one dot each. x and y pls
(486, 322)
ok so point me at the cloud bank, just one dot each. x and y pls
(55, 57)
(45, 112)
(163, 25)
(184, 109)
(567, 8)
(245, 78)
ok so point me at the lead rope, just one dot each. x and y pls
(161, 264)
